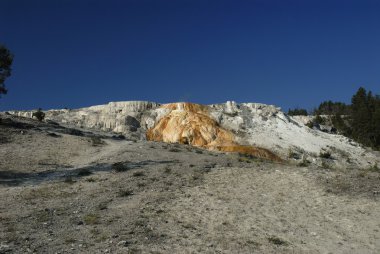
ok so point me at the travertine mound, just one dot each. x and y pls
(230, 126)
(190, 123)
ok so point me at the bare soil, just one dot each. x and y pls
(64, 190)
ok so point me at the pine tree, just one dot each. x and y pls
(366, 118)
(6, 59)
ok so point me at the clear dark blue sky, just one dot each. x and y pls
(75, 53)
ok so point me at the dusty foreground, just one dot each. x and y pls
(69, 191)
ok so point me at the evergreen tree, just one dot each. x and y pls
(297, 112)
(365, 118)
(6, 59)
(332, 108)
(376, 123)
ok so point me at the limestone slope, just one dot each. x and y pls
(189, 123)
(226, 127)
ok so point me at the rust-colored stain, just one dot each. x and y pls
(189, 123)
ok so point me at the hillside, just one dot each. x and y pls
(73, 184)
(229, 127)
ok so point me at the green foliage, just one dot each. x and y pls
(342, 125)
(39, 115)
(319, 120)
(310, 124)
(6, 59)
(297, 112)
(366, 118)
(332, 108)
(359, 121)
(91, 219)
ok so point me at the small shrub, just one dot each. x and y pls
(325, 155)
(293, 155)
(69, 180)
(141, 185)
(138, 174)
(125, 193)
(319, 120)
(374, 168)
(96, 141)
(120, 167)
(304, 163)
(103, 206)
(70, 240)
(167, 170)
(174, 150)
(39, 115)
(91, 219)
(52, 134)
(325, 165)
(310, 124)
(84, 172)
(277, 241)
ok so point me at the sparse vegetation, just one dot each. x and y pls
(90, 180)
(91, 219)
(125, 193)
(39, 115)
(138, 173)
(167, 170)
(325, 165)
(120, 166)
(375, 168)
(277, 241)
(297, 112)
(293, 155)
(325, 154)
(310, 124)
(103, 206)
(97, 141)
(304, 163)
(84, 172)
(69, 180)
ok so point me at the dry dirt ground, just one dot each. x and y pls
(72, 191)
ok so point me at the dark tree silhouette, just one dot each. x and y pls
(6, 59)
(297, 112)
(366, 118)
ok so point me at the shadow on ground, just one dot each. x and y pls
(11, 178)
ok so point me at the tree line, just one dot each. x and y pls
(359, 120)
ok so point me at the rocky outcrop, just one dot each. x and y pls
(189, 123)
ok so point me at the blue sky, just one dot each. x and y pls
(76, 53)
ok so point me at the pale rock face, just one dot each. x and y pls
(252, 124)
